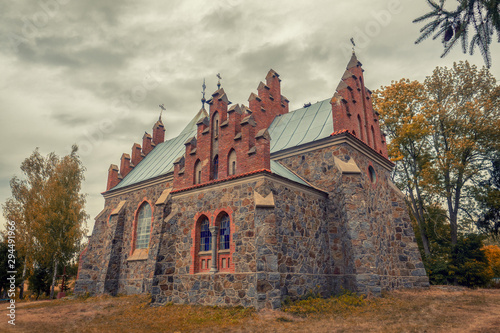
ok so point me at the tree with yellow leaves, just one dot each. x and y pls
(464, 116)
(442, 135)
(400, 106)
(492, 253)
(48, 210)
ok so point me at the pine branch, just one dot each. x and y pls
(482, 15)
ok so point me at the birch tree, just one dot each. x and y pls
(48, 209)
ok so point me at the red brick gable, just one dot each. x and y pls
(352, 108)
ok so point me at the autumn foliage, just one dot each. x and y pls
(444, 138)
(48, 211)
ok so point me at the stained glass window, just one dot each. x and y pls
(143, 227)
(225, 233)
(205, 236)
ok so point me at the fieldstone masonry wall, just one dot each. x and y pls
(349, 233)
(106, 266)
(378, 247)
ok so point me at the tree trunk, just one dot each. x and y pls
(21, 285)
(418, 211)
(54, 278)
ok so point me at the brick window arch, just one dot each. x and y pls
(203, 245)
(231, 163)
(197, 172)
(143, 227)
(206, 242)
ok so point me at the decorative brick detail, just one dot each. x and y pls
(225, 131)
(125, 166)
(147, 144)
(352, 109)
(158, 133)
(136, 154)
(268, 103)
(113, 177)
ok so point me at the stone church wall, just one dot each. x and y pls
(374, 239)
(279, 250)
(106, 266)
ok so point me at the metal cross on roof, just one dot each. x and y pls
(162, 107)
(220, 78)
(353, 44)
(203, 94)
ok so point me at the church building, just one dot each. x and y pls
(250, 204)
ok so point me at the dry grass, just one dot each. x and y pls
(439, 309)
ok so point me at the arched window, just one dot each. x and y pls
(225, 233)
(205, 236)
(224, 242)
(231, 163)
(360, 127)
(374, 141)
(202, 245)
(215, 173)
(143, 227)
(197, 172)
(216, 125)
(212, 244)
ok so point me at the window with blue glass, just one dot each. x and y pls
(225, 233)
(205, 236)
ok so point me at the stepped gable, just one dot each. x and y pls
(353, 111)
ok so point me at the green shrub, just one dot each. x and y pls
(466, 264)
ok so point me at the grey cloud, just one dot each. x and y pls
(92, 53)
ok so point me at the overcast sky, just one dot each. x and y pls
(93, 72)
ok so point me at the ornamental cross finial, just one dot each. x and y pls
(353, 44)
(220, 78)
(203, 95)
(162, 108)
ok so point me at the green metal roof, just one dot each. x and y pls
(301, 126)
(160, 160)
(280, 170)
(289, 130)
